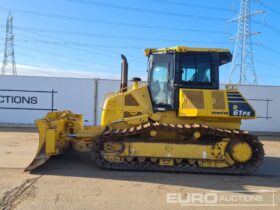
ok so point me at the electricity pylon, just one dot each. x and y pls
(9, 53)
(243, 68)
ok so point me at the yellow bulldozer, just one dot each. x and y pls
(177, 121)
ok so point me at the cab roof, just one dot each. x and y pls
(183, 49)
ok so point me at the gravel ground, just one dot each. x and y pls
(72, 181)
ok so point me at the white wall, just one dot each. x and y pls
(72, 94)
(84, 96)
(266, 101)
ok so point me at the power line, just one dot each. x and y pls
(147, 11)
(268, 48)
(108, 36)
(67, 57)
(104, 52)
(72, 58)
(106, 66)
(91, 34)
(90, 50)
(176, 3)
(268, 26)
(93, 20)
(78, 44)
(59, 61)
(268, 64)
(32, 29)
(269, 7)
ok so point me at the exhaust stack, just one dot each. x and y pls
(124, 74)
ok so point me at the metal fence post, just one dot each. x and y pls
(95, 102)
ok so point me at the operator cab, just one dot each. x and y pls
(170, 69)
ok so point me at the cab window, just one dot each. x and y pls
(161, 79)
(159, 85)
(196, 69)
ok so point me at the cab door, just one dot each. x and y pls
(161, 81)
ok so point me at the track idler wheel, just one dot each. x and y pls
(240, 151)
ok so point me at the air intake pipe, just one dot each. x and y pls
(124, 74)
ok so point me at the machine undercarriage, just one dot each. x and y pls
(196, 148)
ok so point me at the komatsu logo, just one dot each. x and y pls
(220, 113)
(18, 99)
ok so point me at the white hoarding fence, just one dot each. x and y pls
(24, 99)
(266, 102)
(262, 105)
(27, 99)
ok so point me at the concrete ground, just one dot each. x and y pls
(72, 181)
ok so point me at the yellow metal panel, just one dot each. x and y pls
(129, 100)
(90, 132)
(235, 90)
(193, 99)
(42, 128)
(193, 103)
(183, 49)
(134, 102)
(166, 162)
(218, 100)
(51, 141)
(202, 103)
(171, 117)
(167, 150)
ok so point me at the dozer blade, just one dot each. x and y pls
(53, 135)
(59, 131)
(40, 159)
(41, 155)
